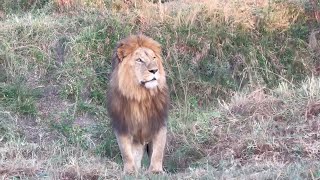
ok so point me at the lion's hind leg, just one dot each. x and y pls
(149, 150)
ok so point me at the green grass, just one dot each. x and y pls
(20, 99)
(243, 84)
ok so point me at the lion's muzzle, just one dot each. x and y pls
(144, 82)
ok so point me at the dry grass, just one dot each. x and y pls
(248, 14)
(54, 161)
(256, 135)
(243, 79)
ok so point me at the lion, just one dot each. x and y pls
(138, 102)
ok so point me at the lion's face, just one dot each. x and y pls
(145, 64)
(138, 71)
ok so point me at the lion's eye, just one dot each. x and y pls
(154, 57)
(139, 60)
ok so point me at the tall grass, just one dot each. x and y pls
(242, 77)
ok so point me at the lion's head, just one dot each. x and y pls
(137, 67)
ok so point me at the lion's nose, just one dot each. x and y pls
(153, 71)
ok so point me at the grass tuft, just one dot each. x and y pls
(19, 99)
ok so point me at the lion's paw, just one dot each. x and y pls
(129, 169)
(155, 170)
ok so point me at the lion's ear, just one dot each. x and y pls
(120, 52)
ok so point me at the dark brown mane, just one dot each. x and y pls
(155, 112)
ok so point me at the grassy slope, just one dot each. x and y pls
(245, 103)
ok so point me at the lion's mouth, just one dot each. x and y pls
(144, 82)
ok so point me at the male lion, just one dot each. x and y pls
(138, 102)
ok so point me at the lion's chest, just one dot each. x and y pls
(144, 115)
(140, 119)
(140, 122)
(138, 113)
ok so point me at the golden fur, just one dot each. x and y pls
(138, 98)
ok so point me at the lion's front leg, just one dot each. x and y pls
(137, 151)
(157, 150)
(125, 144)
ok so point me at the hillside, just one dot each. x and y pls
(243, 77)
